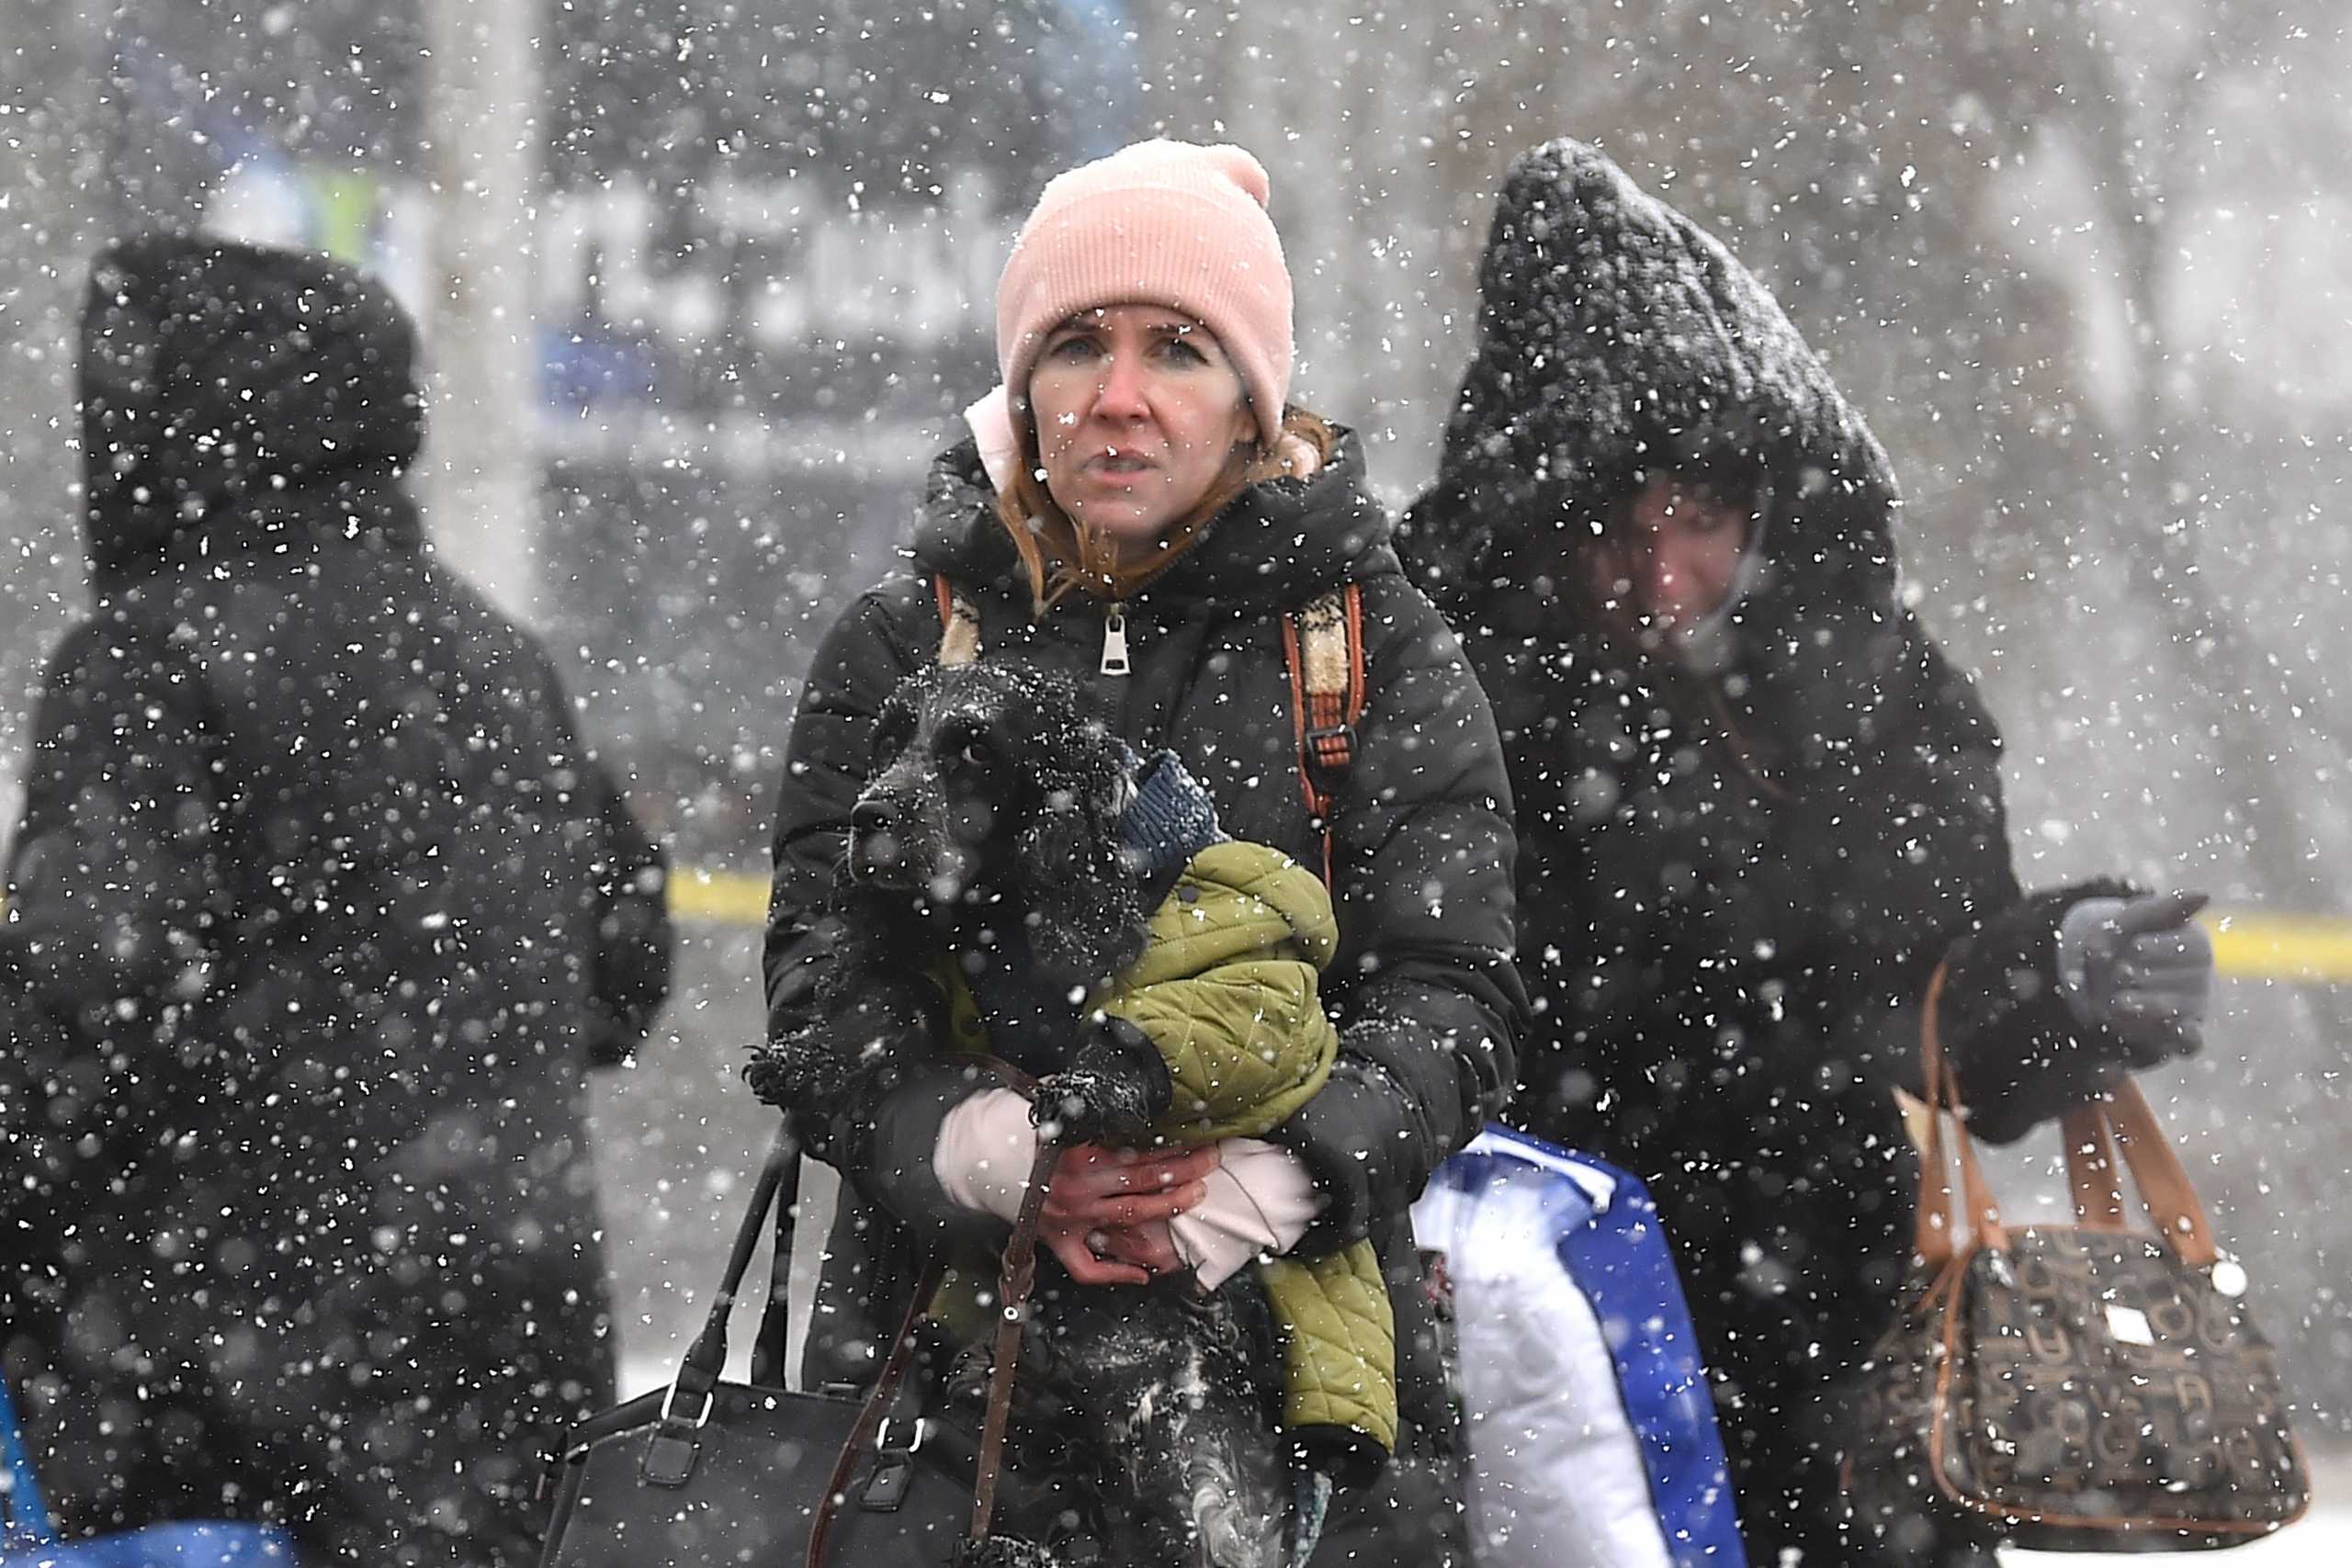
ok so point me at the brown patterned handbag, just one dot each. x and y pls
(2071, 1388)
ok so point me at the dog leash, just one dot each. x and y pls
(869, 1416)
(1016, 1278)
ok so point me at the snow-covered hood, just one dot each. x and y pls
(1616, 335)
(219, 378)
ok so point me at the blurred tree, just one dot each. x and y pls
(56, 205)
(2140, 115)
(480, 473)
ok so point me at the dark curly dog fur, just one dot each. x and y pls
(995, 802)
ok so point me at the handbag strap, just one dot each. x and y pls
(2092, 1132)
(24, 1515)
(1934, 1238)
(779, 1183)
(2092, 1175)
(2163, 1181)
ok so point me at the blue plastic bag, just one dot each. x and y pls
(1589, 1423)
(182, 1546)
(28, 1539)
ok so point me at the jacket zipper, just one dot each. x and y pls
(1115, 640)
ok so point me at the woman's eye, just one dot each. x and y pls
(1185, 351)
(1072, 349)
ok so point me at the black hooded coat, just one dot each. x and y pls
(318, 916)
(1422, 988)
(1727, 954)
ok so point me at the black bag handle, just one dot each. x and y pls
(777, 1189)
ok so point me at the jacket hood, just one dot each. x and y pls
(1616, 337)
(1279, 543)
(223, 381)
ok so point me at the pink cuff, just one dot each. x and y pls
(1260, 1200)
(986, 1149)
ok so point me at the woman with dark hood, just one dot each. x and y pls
(319, 914)
(1757, 808)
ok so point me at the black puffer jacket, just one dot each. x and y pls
(318, 916)
(1728, 954)
(1428, 1003)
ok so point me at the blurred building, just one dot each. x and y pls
(767, 244)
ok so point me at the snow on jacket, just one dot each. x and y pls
(1226, 988)
(1728, 970)
(1421, 988)
(320, 910)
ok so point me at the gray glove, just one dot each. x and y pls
(2142, 968)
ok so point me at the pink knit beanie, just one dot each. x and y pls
(1155, 224)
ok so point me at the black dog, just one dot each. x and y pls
(991, 827)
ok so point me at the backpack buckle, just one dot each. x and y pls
(1326, 751)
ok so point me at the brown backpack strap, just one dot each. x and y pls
(1323, 646)
(959, 622)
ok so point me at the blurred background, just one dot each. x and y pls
(706, 281)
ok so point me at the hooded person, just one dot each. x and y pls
(1758, 806)
(1141, 511)
(318, 915)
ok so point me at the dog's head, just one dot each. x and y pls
(993, 789)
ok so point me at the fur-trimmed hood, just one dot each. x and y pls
(1617, 336)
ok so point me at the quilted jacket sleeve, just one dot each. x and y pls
(1227, 990)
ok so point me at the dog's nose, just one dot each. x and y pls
(878, 846)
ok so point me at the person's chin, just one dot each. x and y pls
(1129, 523)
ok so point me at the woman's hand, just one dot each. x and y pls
(2142, 967)
(1106, 1211)
(1123, 1255)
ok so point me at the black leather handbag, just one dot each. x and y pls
(706, 1472)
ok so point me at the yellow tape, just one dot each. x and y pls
(2247, 943)
(719, 897)
(2251, 946)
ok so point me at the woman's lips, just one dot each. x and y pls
(1120, 476)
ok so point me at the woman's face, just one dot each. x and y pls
(1675, 564)
(1137, 414)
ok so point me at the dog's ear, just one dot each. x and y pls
(1085, 901)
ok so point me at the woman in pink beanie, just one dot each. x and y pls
(1140, 510)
